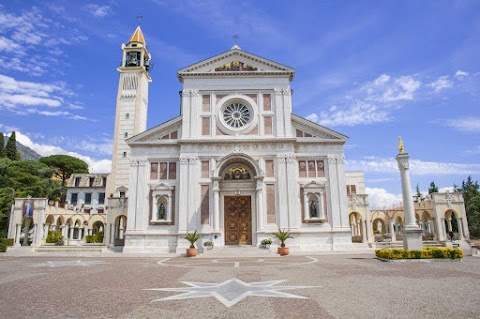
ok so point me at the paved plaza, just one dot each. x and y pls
(314, 286)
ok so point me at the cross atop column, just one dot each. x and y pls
(139, 19)
(235, 38)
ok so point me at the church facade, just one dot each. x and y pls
(236, 165)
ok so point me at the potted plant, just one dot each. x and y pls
(282, 236)
(192, 239)
(267, 242)
(208, 244)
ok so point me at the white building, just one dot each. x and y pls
(235, 165)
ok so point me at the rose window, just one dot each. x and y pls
(237, 115)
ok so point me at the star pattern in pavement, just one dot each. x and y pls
(70, 263)
(231, 291)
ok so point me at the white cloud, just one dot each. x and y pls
(95, 166)
(385, 89)
(379, 198)
(441, 84)
(466, 125)
(417, 167)
(98, 10)
(461, 74)
(371, 102)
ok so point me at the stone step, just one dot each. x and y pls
(239, 251)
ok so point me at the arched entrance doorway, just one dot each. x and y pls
(238, 199)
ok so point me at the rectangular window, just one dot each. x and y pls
(271, 219)
(74, 198)
(205, 205)
(206, 126)
(311, 169)
(270, 168)
(172, 170)
(163, 170)
(206, 103)
(154, 171)
(77, 181)
(267, 102)
(205, 169)
(125, 134)
(320, 168)
(104, 181)
(351, 189)
(267, 123)
(90, 181)
(100, 211)
(88, 198)
(302, 169)
(101, 198)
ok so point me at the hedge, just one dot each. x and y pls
(426, 253)
(3, 248)
(54, 236)
(7, 241)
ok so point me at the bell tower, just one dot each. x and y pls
(131, 109)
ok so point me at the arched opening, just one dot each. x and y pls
(236, 199)
(452, 227)
(379, 226)
(97, 227)
(120, 226)
(356, 225)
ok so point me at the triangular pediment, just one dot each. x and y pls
(236, 62)
(305, 130)
(165, 132)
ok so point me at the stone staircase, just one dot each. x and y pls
(239, 251)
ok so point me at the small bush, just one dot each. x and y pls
(98, 237)
(7, 241)
(53, 236)
(426, 253)
(90, 239)
(3, 248)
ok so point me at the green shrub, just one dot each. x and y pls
(53, 236)
(98, 237)
(3, 248)
(90, 239)
(426, 253)
(7, 241)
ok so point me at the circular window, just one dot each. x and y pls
(237, 115)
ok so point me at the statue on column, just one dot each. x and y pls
(401, 149)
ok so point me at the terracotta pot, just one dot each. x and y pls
(283, 251)
(192, 252)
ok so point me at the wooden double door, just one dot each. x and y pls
(238, 220)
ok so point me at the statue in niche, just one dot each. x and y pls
(379, 226)
(161, 211)
(313, 210)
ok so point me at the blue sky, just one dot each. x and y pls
(372, 70)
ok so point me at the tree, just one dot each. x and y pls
(419, 193)
(20, 179)
(11, 148)
(65, 166)
(471, 195)
(433, 188)
(2, 145)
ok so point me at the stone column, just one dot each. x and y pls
(45, 231)
(112, 234)
(292, 192)
(282, 192)
(259, 201)
(449, 224)
(18, 232)
(72, 231)
(412, 238)
(216, 204)
(392, 230)
(183, 191)
(363, 231)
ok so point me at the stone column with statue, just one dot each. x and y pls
(412, 234)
